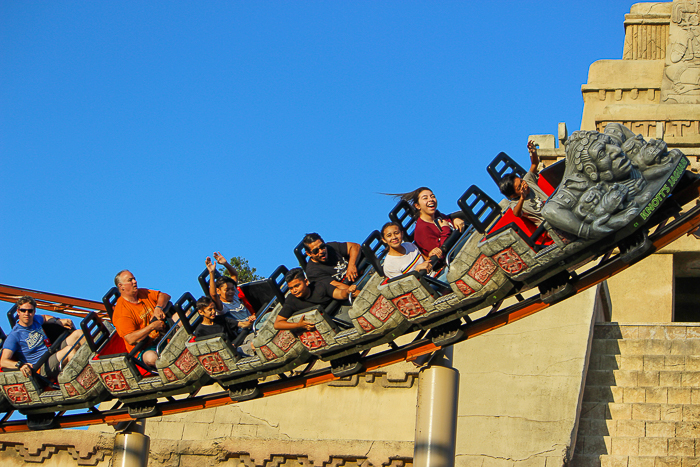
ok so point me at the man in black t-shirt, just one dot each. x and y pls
(303, 295)
(330, 262)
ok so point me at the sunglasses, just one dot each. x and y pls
(315, 251)
(26, 310)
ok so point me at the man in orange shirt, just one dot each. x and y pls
(138, 315)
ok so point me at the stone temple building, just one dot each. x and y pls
(608, 377)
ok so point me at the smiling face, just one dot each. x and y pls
(393, 237)
(25, 314)
(317, 251)
(427, 203)
(299, 288)
(226, 292)
(208, 313)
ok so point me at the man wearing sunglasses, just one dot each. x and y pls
(330, 262)
(27, 342)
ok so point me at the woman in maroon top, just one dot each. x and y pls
(432, 226)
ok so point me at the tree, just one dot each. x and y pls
(246, 273)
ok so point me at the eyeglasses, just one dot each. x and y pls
(315, 251)
(26, 310)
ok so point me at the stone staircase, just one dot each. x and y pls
(641, 403)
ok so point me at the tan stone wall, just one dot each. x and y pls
(521, 387)
(644, 292)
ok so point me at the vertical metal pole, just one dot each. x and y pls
(436, 413)
(131, 446)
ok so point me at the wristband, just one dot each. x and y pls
(19, 365)
(158, 306)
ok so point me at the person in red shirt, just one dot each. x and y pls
(432, 226)
(138, 315)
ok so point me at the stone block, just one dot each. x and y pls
(667, 461)
(629, 331)
(656, 395)
(688, 429)
(690, 461)
(193, 431)
(613, 461)
(661, 429)
(653, 446)
(625, 446)
(626, 378)
(691, 413)
(639, 461)
(654, 362)
(646, 412)
(215, 430)
(634, 395)
(630, 428)
(692, 362)
(620, 411)
(694, 395)
(670, 379)
(631, 362)
(672, 412)
(648, 378)
(679, 395)
(674, 362)
(681, 447)
(691, 379)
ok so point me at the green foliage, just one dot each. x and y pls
(246, 273)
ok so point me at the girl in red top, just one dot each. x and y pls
(432, 226)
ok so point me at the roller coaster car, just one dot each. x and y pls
(342, 332)
(221, 361)
(5, 405)
(431, 304)
(75, 387)
(584, 218)
(136, 384)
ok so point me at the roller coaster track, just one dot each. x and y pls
(665, 233)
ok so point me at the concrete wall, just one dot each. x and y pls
(521, 387)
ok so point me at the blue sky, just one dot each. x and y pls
(146, 135)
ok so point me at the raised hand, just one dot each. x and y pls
(211, 267)
(220, 258)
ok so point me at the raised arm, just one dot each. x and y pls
(224, 262)
(211, 267)
(534, 158)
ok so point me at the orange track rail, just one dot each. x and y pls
(663, 236)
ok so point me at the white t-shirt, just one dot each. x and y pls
(397, 265)
(234, 309)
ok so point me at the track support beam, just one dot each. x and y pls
(436, 412)
(131, 446)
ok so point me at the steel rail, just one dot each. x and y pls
(663, 236)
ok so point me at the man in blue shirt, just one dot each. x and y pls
(27, 342)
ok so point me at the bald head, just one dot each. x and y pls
(118, 278)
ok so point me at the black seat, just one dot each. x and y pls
(502, 165)
(402, 214)
(481, 210)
